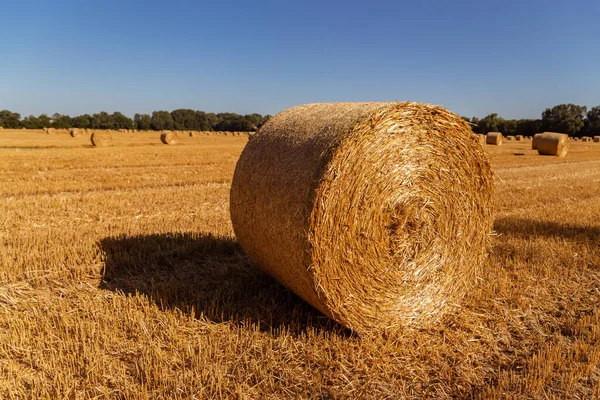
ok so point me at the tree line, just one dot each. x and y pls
(181, 119)
(572, 119)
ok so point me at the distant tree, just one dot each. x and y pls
(185, 119)
(205, 121)
(162, 120)
(120, 121)
(142, 122)
(31, 122)
(82, 121)
(592, 122)
(263, 121)
(489, 123)
(255, 119)
(508, 127)
(527, 127)
(564, 118)
(102, 120)
(10, 119)
(45, 121)
(61, 121)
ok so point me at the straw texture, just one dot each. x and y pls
(377, 214)
(553, 144)
(101, 138)
(168, 137)
(494, 138)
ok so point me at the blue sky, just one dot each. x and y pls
(515, 58)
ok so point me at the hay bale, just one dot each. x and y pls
(596, 139)
(510, 138)
(534, 142)
(494, 138)
(51, 131)
(74, 132)
(101, 138)
(553, 144)
(519, 138)
(377, 214)
(168, 137)
(585, 139)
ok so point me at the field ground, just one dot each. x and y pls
(120, 277)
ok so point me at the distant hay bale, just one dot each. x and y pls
(586, 139)
(553, 144)
(75, 132)
(596, 139)
(51, 131)
(494, 138)
(509, 138)
(168, 138)
(377, 214)
(519, 138)
(101, 138)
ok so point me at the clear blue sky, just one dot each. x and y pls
(474, 57)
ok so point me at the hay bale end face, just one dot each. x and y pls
(168, 138)
(494, 138)
(75, 132)
(509, 138)
(377, 214)
(519, 138)
(534, 142)
(553, 144)
(101, 139)
(596, 139)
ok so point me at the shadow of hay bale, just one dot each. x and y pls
(209, 276)
(526, 228)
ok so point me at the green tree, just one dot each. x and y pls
(120, 121)
(490, 123)
(31, 122)
(564, 118)
(45, 121)
(185, 119)
(9, 119)
(61, 121)
(162, 120)
(593, 121)
(508, 127)
(82, 121)
(142, 122)
(102, 120)
(527, 127)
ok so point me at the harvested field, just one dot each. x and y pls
(120, 277)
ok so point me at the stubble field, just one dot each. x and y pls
(120, 277)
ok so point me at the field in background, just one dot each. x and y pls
(120, 277)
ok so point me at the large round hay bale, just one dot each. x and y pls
(596, 139)
(494, 138)
(168, 137)
(51, 131)
(509, 138)
(377, 214)
(553, 144)
(75, 132)
(101, 138)
(519, 138)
